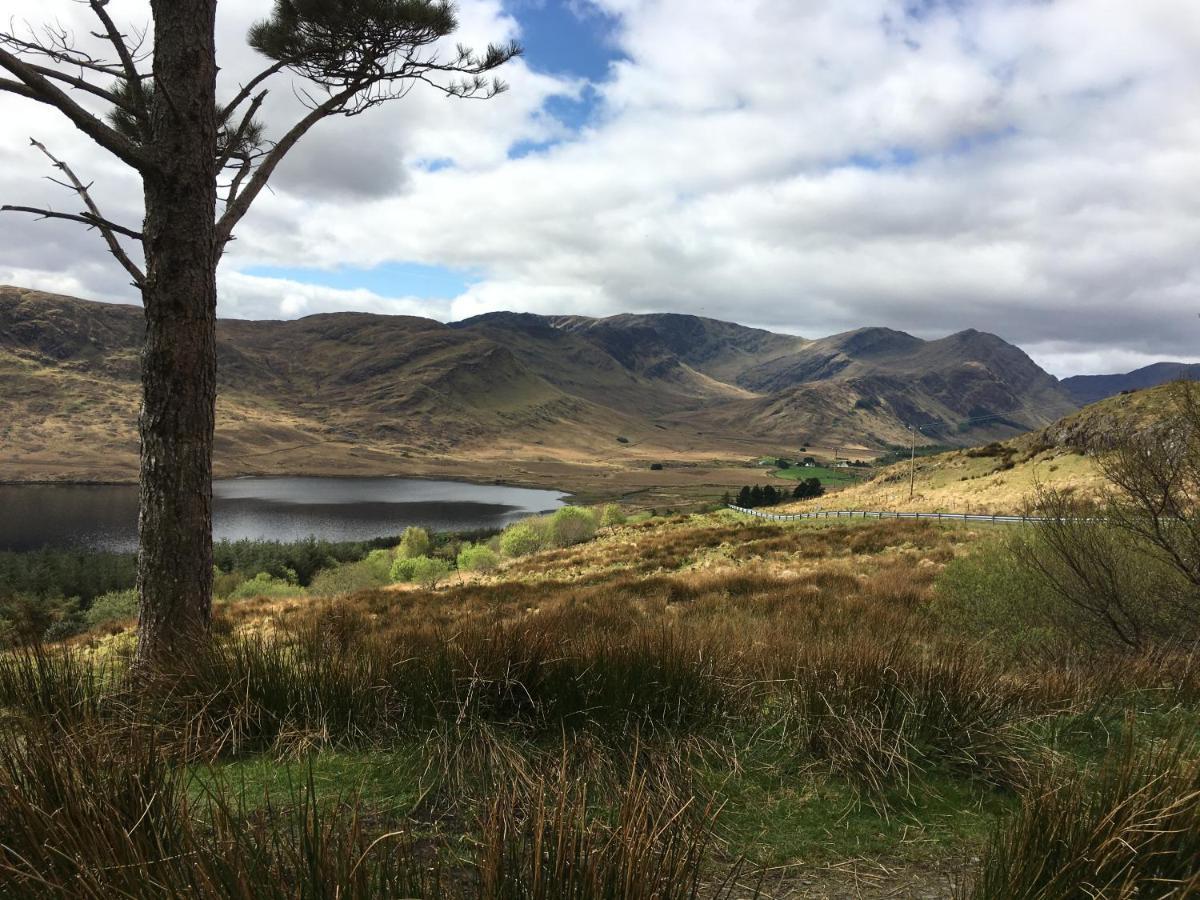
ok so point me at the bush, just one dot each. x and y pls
(523, 538)
(115, 606)
(423, 570)
(656, 467)
(572, 525)
(379, 563)
(402, 570)
(372, 572)
(612, 515)
(413, 543)
(264, 585)
(428, 572)
(477, 558)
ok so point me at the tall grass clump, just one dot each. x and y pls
(109, 814)
(562, 844)
(883, 716)
(1129, 829)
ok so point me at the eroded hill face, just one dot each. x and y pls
(354, 393)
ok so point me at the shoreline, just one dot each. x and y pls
(566, 497)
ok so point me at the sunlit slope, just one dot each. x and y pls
(1002, 477)
(356, 393)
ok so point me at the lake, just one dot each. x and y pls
(104, 517)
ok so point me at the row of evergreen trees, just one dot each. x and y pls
(758, 495)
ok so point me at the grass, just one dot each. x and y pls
(685, 706)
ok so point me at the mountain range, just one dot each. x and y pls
(353, 392)
(1085, 389)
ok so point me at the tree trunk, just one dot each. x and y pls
(179, 357)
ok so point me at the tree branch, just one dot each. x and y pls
(132, 76)
(233, 142)
(78, 84)
(114, 36)
(241, 204)
(42, 89)
(248, 89)
(92, 217)
(83, 218)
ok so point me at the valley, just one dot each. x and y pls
(584, 405)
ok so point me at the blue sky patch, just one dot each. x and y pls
(566, 37)
(387, 280)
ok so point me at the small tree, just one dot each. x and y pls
(429, 571)
(192, 151)
(413, 543)
(1131, 562)
(756, 496)
(745, 497)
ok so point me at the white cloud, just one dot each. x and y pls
(1036, 177)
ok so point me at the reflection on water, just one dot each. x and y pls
(284, 509)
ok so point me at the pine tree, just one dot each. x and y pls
(193, 152)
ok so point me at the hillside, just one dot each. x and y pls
(999, 477)
(1085, 389)
(503, 395)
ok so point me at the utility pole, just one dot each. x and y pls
(912, 465)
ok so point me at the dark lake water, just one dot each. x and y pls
(104, 517)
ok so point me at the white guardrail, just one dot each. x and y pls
(871, 514)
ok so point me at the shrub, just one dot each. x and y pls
(372, 572)
(572, 525)
(428, 572)
(402, 569)
(379, 562)
(523, 538)
(413, 543)
(612, 515)
(423, 570)
(1111, 584)
(477, 558)
(656, 467)
(115, 606)
(264, 585)
(225, 583)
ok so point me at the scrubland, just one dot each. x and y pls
(699, 706)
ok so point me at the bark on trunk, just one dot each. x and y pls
(179, 357)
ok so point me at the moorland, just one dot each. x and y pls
(601, 704)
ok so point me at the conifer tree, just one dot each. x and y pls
(202, 161)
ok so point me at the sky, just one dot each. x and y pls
(1024, 167)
